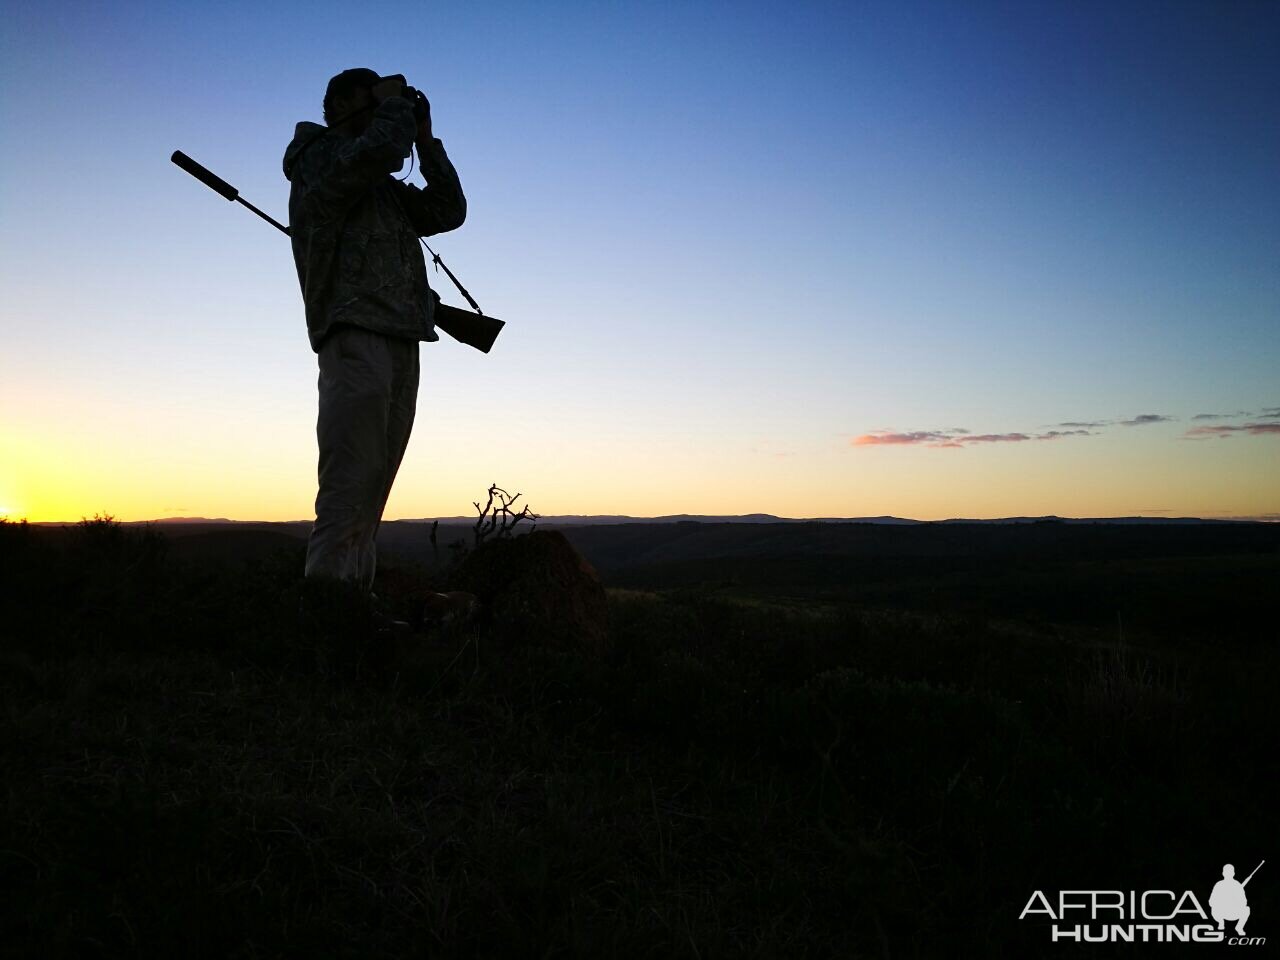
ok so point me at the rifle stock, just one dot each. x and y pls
(473, 329)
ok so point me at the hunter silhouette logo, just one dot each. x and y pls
(1228, 902)
(1148, 916)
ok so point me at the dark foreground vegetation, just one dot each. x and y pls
(189, 771)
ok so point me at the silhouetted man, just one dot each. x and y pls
(355, 230)
(1228, 900)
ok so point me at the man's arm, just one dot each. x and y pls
(381, 149)
(441, 206)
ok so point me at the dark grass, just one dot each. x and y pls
(192, 771)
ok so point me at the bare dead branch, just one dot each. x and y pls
(500, 517)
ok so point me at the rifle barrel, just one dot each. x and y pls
(269, 220)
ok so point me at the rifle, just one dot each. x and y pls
(473, 329)
(1255, 870)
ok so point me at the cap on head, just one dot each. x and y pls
(346, 83)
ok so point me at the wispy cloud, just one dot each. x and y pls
(897, 439)
(1268, 413)
(1143, 419)
(1054, 434)
(1223, 430)
(954, 438)
(995, 438)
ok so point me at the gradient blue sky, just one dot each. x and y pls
(735, 244)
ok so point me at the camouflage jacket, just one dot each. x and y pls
(355, 228)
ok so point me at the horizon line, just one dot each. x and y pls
(697, 518)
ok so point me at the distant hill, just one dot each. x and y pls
(756, 546)
(579, 520)
(576, 520)
(1078, 572)
(814, 550)
(225, 546)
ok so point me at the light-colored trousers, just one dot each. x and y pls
(368, 394)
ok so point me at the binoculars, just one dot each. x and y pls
(421, 106)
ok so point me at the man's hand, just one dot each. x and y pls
(422, 111)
